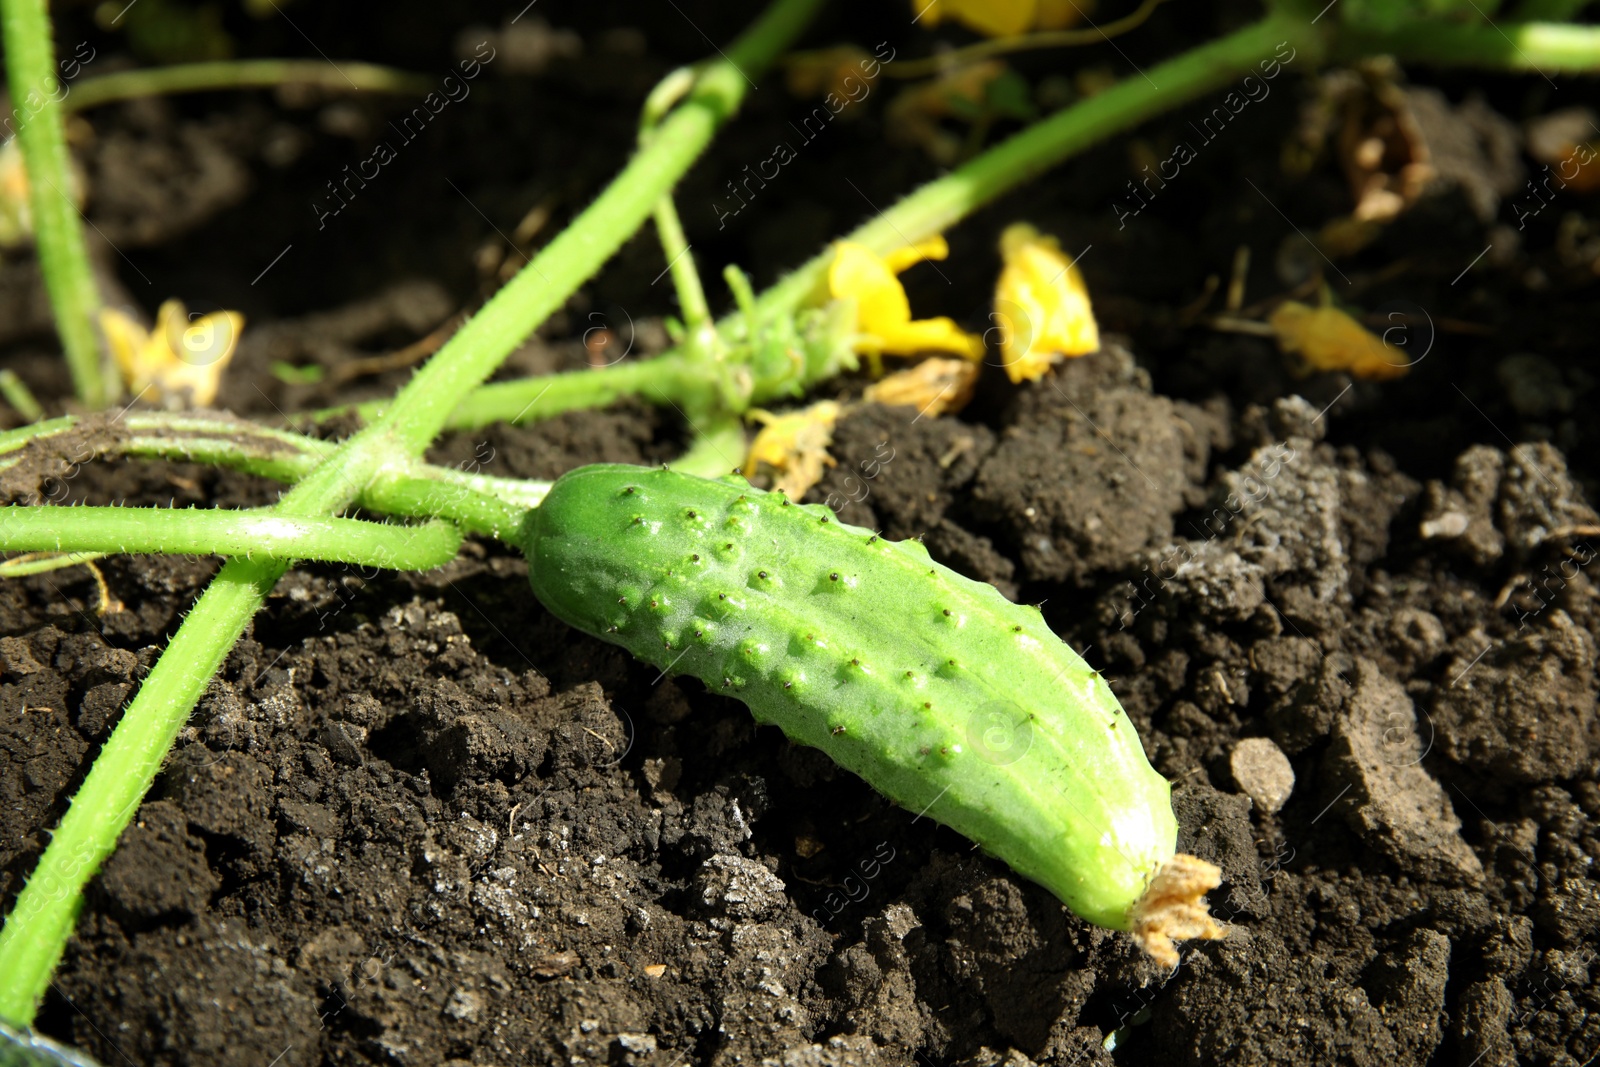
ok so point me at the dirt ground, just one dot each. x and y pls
(416, 820)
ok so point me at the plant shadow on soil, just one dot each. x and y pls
(417, 820)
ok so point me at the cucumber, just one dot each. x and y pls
(935, 689)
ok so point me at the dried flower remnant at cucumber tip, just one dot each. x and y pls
(968, 709)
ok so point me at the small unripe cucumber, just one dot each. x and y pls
(934, 688)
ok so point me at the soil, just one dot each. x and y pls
(416, 820)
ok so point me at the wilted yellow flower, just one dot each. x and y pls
(933, 386)
(1328, 339)
(1040, 304)
(180, 362)
(845, 72)
(16, 213)
(1003, 18)
(795, 445)
(883, 312)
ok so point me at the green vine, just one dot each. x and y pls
(227, 533)
(58, 228)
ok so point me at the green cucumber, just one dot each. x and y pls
(935, 689)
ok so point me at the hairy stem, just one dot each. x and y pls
(680, 261)
(43, 562)
(670, 378)
(715, 452)
(19, 396)
(465, 499)
(1533, 47)
(227, 532)
(478, 503)
(347, 76)
(58, 230)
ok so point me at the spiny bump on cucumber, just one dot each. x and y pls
(1009, 745)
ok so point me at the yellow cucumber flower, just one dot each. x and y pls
(883, 312)
(1328, 339)
(1003, 18)
(179, 362)
(795, 445)
(1041, 305)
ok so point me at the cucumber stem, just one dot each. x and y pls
(44, 562)
(347, 76)
(478, 503)
(680, 263)
(716, 450)
(226, 532)
(1531, 47)
(57, 226)
(669, 378)
(19, 396)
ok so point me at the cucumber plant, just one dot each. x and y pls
(966, 707)
(997, 743)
